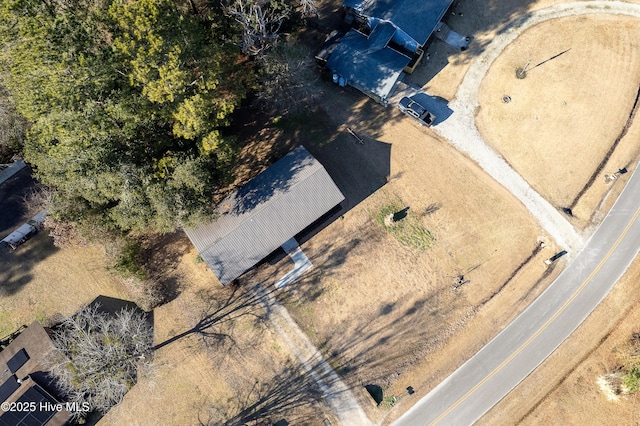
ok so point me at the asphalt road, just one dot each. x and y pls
(524, 344)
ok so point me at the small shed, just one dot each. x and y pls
(259, 217)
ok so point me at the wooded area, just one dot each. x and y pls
(127, 102)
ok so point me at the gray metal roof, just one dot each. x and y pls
(260, 216)
(367, 63)
(418, 18)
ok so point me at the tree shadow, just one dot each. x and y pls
(276, 179)
(472, 18)
(358, 169)
(307, 287)
(18, 264)
(380, 349)
(161, 256)
(14, 211)
(214, 321)
(376, 345)
(283, 398)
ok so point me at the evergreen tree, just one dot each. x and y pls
(126, 101)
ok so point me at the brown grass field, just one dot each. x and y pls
(383, 312)
(39, 281)
(235, 368)
(379, 309)
(565, 115)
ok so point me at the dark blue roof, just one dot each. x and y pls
(418, 18)
(260, 216)
(367, 63)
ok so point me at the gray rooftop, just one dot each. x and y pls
(367, 63)
(260, 216)
(418, 18)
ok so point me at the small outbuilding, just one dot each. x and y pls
(269, 210)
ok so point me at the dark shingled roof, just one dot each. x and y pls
(367, 63)
(260, 216)
(418, 18)
(26, 357)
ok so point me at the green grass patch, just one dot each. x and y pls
(7, 325)
(41, 317)
(408, 231)
(388, 402)
(632, 379)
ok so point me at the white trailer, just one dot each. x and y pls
(25, 231)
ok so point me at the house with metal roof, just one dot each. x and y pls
(262, 215)
(389, 40)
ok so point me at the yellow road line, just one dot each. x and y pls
(546, 324)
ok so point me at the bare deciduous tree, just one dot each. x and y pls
(308, 8)
(38, 198)
(288, 79)
(98, 356)
(260, 22)
(64, 233)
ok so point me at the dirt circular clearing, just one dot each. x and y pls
(565, 114)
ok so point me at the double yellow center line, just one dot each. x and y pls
(545, 325)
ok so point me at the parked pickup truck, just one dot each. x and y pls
(413, 109)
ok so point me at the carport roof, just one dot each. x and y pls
(260, 216)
